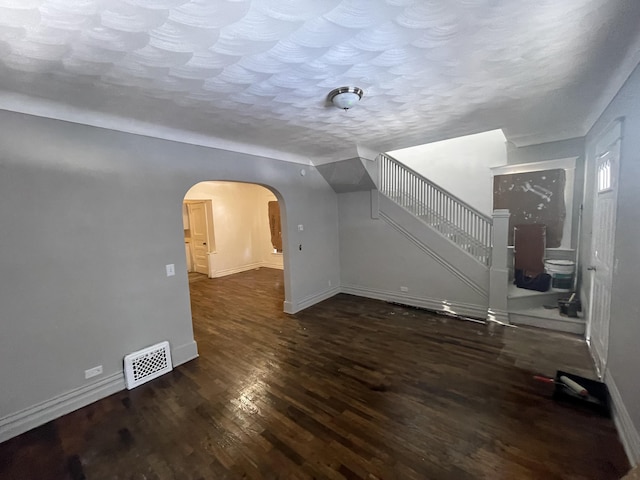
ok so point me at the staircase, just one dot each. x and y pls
(464, 245)
(451, 232)
(463, 225)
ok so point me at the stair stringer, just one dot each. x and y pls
(458, 262)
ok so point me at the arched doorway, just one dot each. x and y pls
(234, 243)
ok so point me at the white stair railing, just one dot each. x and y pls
(465, 226)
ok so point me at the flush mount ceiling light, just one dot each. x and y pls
(345, 97)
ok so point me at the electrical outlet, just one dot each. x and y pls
(329, 282)
(92, 372)
(404, 289)
(301, 228)
(171, 270)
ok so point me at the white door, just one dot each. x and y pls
(199, 237)
(602, 246)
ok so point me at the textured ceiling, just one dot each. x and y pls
(258, 71)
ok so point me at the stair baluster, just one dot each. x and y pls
(458, 221)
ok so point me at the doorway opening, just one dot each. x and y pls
(231, 227)
(234, 246)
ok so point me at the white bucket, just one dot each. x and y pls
(561, 272)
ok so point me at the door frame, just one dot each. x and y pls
(603, 143)
(208, 207)
(288, 305)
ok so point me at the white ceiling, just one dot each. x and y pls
(253, 75)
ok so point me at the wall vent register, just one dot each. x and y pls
(147, 364)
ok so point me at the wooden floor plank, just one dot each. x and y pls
(351, 388)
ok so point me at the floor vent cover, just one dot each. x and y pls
(147, 364)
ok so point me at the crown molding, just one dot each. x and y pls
(614, 84)
(24, 104)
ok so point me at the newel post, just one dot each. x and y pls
(499, 271)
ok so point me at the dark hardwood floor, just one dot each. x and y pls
(349, 389)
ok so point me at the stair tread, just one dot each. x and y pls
(547, 314)
(515, 292)
(549, 319)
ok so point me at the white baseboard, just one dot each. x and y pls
(480, 287)
(455, 308)
(230, 271)
(267, 264)
(183, 353)
(32, 417)
(306, 302)
(245, 268)
(499, 316)
(274, 260)
(41, 413)
(626, 429)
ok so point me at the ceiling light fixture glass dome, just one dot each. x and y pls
(345, 97)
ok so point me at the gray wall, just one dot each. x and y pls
(376, 260)
(89, 219)
(572, 147)
(624, 354)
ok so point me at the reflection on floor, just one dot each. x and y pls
(196, 277)
(348, 389)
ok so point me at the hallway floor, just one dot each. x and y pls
(351, 388)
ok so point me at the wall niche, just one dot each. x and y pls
(533, 197)
(541, 193)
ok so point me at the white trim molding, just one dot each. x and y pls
(498, 316)
(20, 422)
(20, 103)
(454, 308)
(626, 429)
(41, 413)
(614, 84)
(184, 353)
(460, 275)
(309, 300)
(275, 260)
(217, 273)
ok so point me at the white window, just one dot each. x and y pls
(604, 173)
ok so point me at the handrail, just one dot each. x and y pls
(437, 187)
(464, 225)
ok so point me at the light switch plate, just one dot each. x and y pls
(171, 270)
